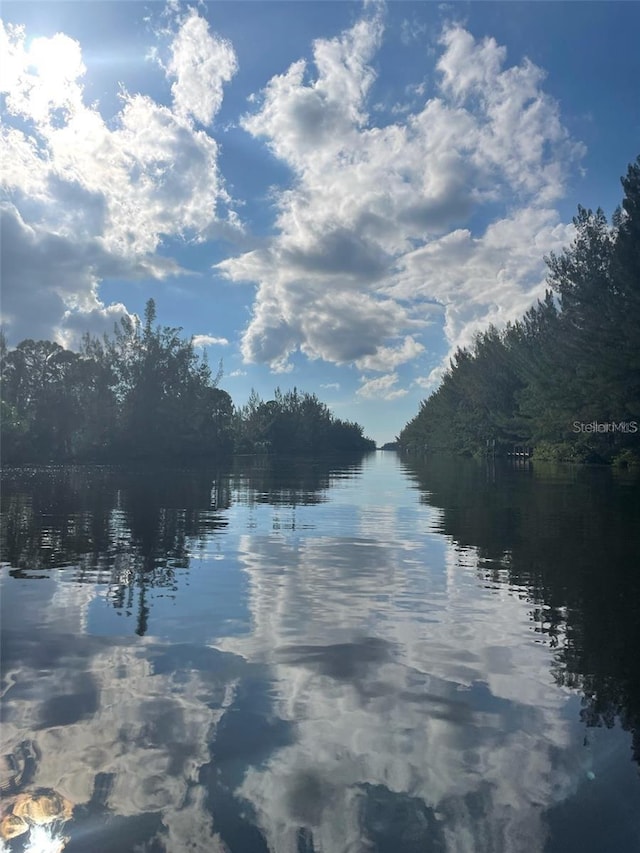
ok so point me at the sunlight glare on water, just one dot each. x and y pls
(41, 839)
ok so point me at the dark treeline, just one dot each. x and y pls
(559, 378)
(144, 393)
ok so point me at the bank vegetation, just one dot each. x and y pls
(143, 393)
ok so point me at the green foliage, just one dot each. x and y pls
(574, 358)
(627, 458)
(144, 393)
(295, 423)
(563, 451)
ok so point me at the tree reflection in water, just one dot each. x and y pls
(570, 537)
(131, 530)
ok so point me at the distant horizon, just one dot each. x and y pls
(336, 207)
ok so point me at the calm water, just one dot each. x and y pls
(382, 656)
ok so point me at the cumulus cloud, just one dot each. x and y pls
(48, 279)
(209, 341)
(87, 198)
(386, 358)
(382, 388)
(201, 64)
(376, 222)
(489, 278)
(301, 121)
(43, 78)
(384, 217)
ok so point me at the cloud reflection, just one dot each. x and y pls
(414, 699)
(113, 727)
(386, 689)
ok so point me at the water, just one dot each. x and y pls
(296, 657)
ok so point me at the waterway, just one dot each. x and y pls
(338, 656)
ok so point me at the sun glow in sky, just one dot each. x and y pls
(330, 195)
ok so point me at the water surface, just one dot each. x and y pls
(301, 656)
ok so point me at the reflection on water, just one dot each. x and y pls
(297, 657)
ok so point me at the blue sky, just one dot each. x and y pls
(328, 195)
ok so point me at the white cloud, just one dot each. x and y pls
(376, 223)
(50, 287)
(431, 381)
(381, 388)
(209, 341)
(91, 198)
(387, 358)
(486, 279)
(301, 121)
(330, 386)
(201, 64)
(380, 220)
(42, 79)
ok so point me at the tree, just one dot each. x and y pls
(626, 275)
(140, 392)
(166, 400)
(39, 399)
(295, 423)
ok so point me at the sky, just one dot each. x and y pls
(327, 195)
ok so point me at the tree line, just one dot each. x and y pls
(144, 393)
(565, 378)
